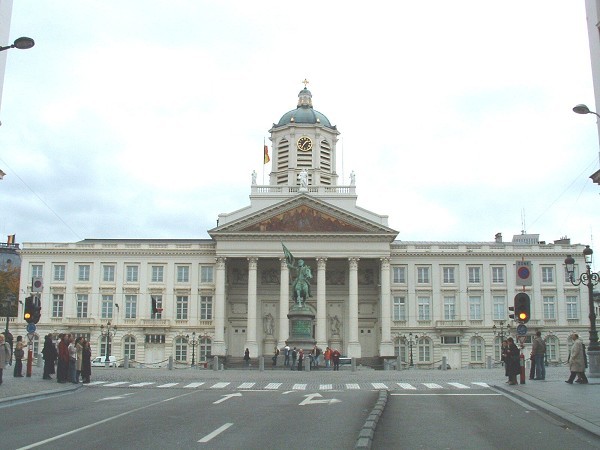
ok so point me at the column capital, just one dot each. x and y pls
(353, 262)
(220, 260)
(385, 260)
(321, 263)
(252, 262)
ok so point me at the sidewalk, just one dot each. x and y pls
(574, 403)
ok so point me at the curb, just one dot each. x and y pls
(365, 437)
(24, 398)
(552, 410)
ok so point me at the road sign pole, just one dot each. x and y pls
(29, 348)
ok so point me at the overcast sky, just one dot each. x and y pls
(145, 119)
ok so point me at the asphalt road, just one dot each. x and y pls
(485, 419)
(151, 418)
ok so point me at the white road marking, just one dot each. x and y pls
(273, 386)
(95, 383)
(116, 383)
(352, 386)
(379, 385)
(227, 397)
(310, 400)
(448, 394)
(146, 383)
(407, 386)
(246, 385)
(481, 384)
(220, 385)
(432, 385)
(116, 397)
(299, 387)
(194, 385)
(459, 385)
(325, 387)
(168, 385)
(215, 433)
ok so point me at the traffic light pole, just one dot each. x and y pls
(29, 354)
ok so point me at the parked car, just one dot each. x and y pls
(100, 361)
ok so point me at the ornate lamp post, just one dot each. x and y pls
(193, 342)
(410, 347)
(499, 331)
(589, 279)
(108, 332)
(22, 43)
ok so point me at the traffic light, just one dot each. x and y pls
(28, 311)
(512, 309)
(522, 307)
(37, 310)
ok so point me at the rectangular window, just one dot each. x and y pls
(450, 340)
(422, 274)
(156, 300)
(183, 274)
(108, 273)
(500, 312)
(157, 274)
(59, 272)
(83, 272)
(398, 274)
(37, 270)
(475, 307)
(547, 274)
(206, 305)
(399, 312)
(424, 308)
(130, 306)
(449, 307)
(107, 307)
(182, 307)
(57, 305)
(571, 302)
(549, 306)
(497, 274)
(474, 274)
(132, 274)
(82, 305)
(448, 275)
(206, 274)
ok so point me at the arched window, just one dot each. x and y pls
(497, 349)
(552, 353)
(181, 348)
(477, 349)
(204, 348)
(424, 350)
(129, 347)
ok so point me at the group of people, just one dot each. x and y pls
(70, 359)
(6, 356)
(512, 365)
(294, 357)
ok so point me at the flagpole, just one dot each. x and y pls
(263, 166)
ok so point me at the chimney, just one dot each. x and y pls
(498, 238)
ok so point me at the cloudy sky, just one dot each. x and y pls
(145, 119)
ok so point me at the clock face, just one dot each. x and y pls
(304, 144)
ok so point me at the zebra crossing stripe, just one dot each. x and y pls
(379, 385)
(146, 383)
(299, 387)
(352, 386)
(167, 385)
(407, 386)
(325, 387)
(481, 384)
(246, 385)
(459, 385)
(194, 385)
(116, 383)
(273, 386)
(96, 383)
(220, 385)
(432, 385)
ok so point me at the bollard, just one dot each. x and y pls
(261, 363)
(216, 363)
(126, 362)
(399, 363)
(353, 364)
(488, 362)
(170, 363)
(306, 364)
(444, 363)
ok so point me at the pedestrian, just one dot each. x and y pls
(577, 361)
(275, 356)
(50, 354)
(18, 354)
(539, 353)
(79, 349)
(4, 355)
(335, 356)
(504, 358)
(247, 358)
(286, 354)
(327, 356)
(318, 352)
(72, 359)
(294, 356)
(62, 367)
(532, 368)
(300, 359)
(513, 361)
(86, 362)
(313, 356)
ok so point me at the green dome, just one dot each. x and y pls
(304, 113)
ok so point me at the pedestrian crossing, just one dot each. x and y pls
(277, 386)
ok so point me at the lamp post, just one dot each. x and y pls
(107, 333)
(499, 332)
(589, 279)
(193, 342)
(7, 334)
(410, 347)
(22, 43)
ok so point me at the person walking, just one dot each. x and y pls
(504, 358)
(4, 355)
(86, 362)
(300, 359)
(539, 353)
(335, 356)
(62, 367)
(577, 361)
(514, 367)
(247, 358)
(79, 349)
(275, 355)
(286, 354)
(18, 354)
(327, 356)
(294, 356)
(50, 354)
(72, 360)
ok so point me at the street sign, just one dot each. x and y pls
(523, 273)
(31, 327)
(521, 329)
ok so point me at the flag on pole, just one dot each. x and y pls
(266, 157)
(289, 258)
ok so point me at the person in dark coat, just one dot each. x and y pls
(62, 368)
(50, 354)
(247, 357)
(513, 361)
(86, 361)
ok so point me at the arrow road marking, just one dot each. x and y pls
(116, 397)
(227, 397)
(309, 400)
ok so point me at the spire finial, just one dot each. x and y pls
(305, 83)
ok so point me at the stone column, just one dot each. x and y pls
(218, 346)
(284, 303)
(251, 342)
(321, 330)
(386, 348)
(354, 350)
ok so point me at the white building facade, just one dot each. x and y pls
(372, 296)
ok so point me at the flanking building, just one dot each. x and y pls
(373, 296)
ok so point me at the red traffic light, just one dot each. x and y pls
(522, 307)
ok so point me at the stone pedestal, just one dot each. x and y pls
(269, 346)
(301, 318)
(336, 342)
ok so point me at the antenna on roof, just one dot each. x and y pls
(523, 228)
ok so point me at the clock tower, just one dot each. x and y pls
(304, 140)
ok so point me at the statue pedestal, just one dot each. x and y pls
(336, 342)
(301, 319)
(269, 346)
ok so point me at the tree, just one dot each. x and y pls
(9, 288)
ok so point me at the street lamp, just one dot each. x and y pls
(410, 347)
(583, 109)
(193, 342)
(7, 334)
(499, 331)
(22, 43)
(107, 333)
